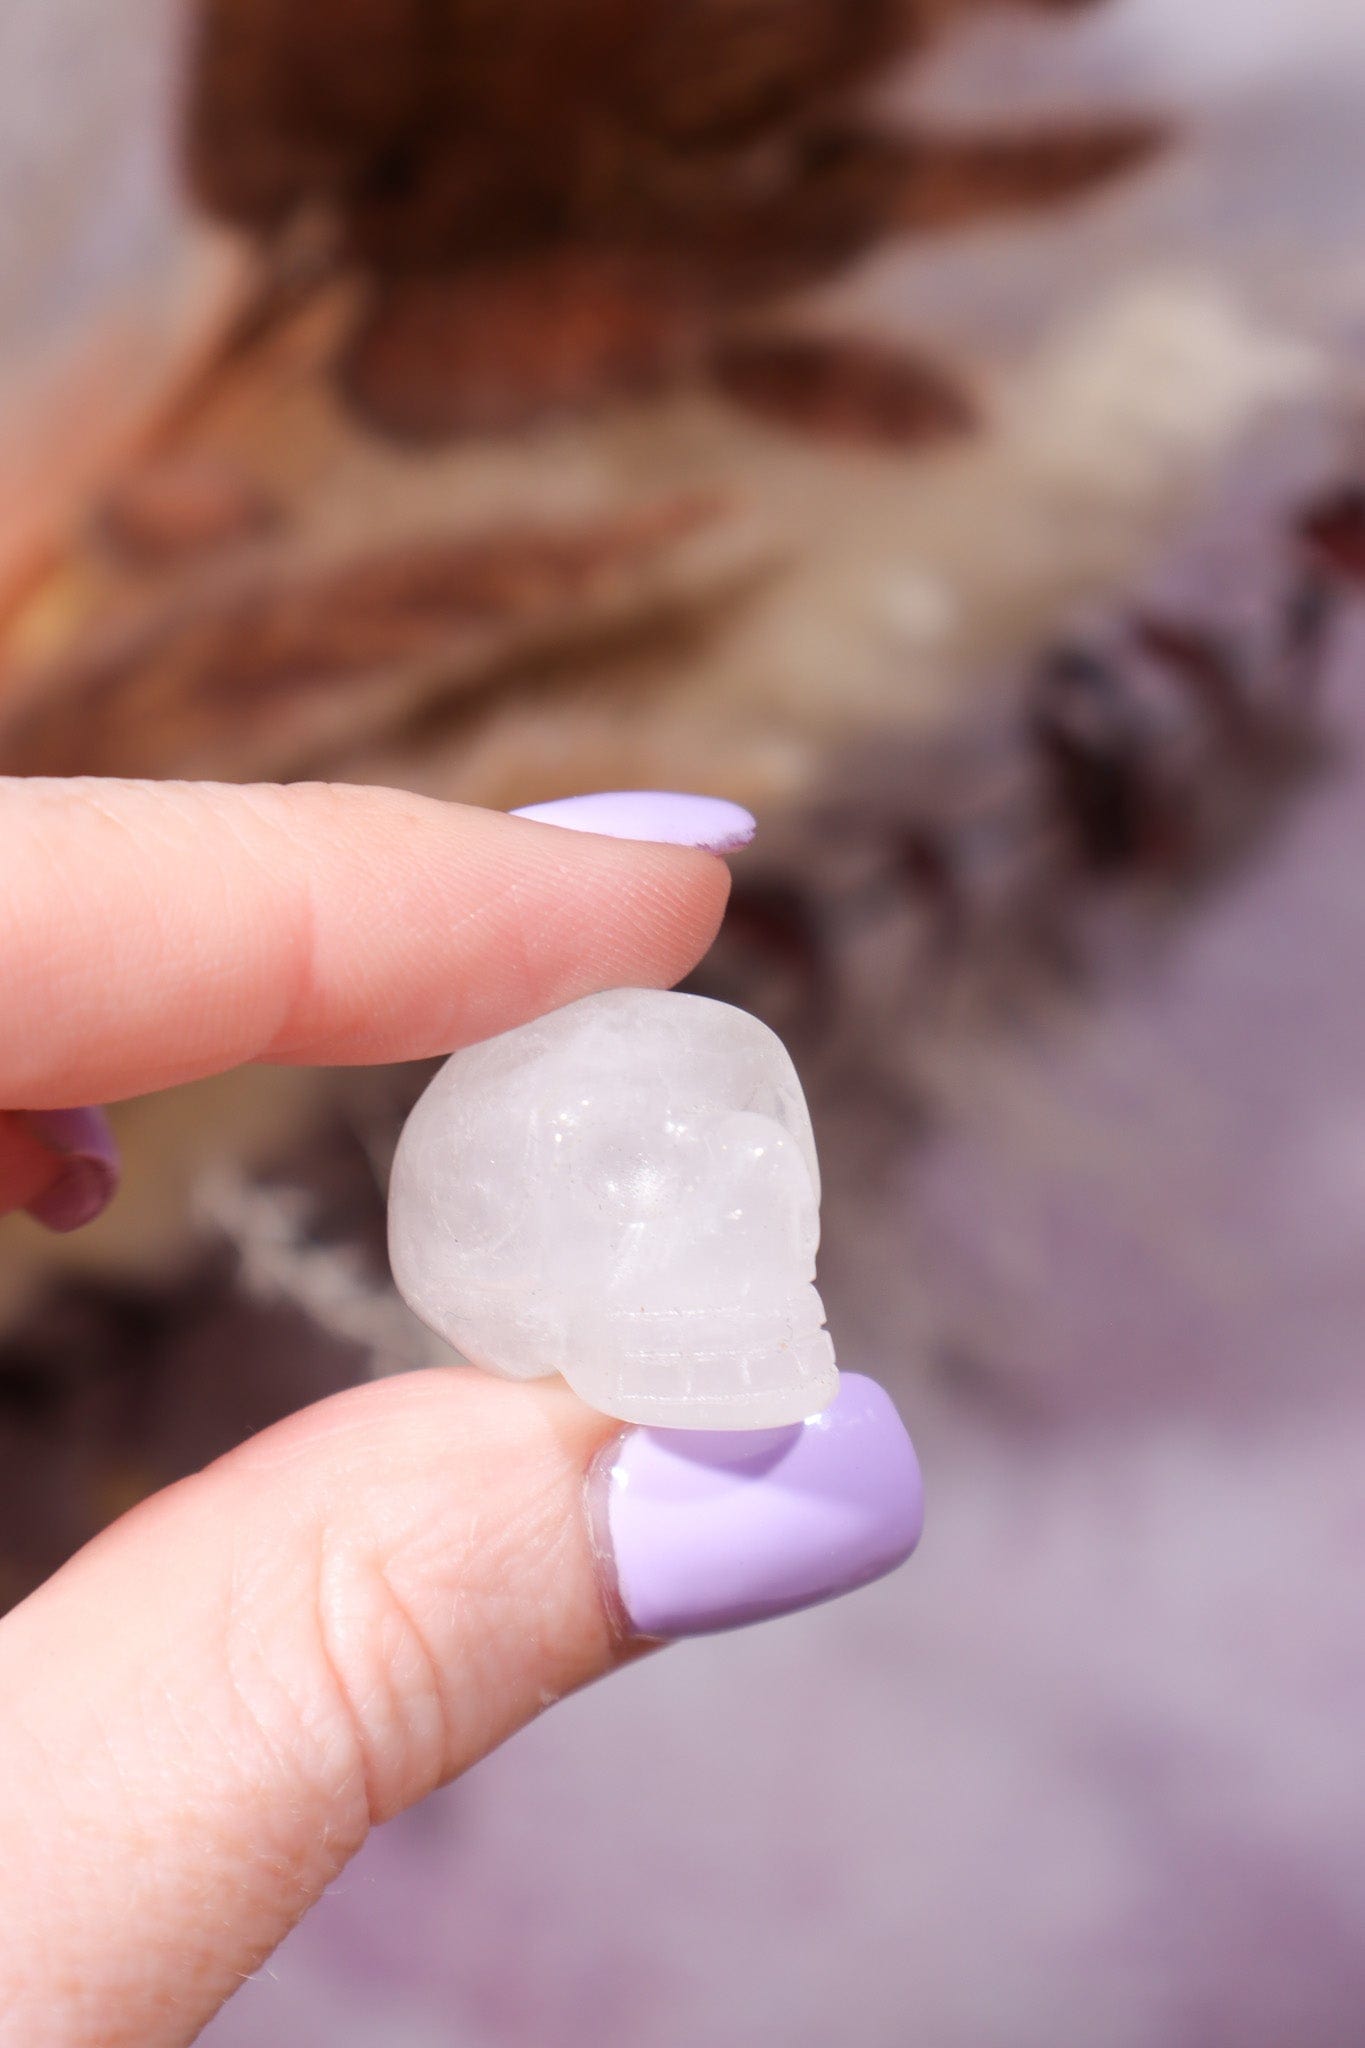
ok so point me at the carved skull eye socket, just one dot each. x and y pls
(625, 1192)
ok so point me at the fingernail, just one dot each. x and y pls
(89, 1173)
(713, 1529)
(667, 816)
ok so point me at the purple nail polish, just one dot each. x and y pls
(89, 1176)
(713, 1529)
(666, 816)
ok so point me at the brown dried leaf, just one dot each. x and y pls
(950, 180)
(846, 389)
(494, 347)
(392, 108)
(852, 188)
(286, 96)
(443, 129)
(258, 668)
(712, 72)
(174, 508)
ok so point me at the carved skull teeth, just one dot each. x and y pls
(625, 1192)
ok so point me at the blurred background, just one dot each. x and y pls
(942, 428)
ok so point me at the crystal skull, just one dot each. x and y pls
(625, 1192)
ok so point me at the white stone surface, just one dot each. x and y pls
(626, 1192)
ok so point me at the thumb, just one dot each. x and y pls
(205, 1712)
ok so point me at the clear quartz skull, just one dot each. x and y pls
(625, 1192)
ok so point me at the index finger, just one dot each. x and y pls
(152, 933)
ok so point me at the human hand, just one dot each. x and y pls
(203, 1714)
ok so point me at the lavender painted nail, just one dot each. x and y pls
(89, 1176)
(710, 1530)
(666, 816)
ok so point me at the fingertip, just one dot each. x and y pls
(61, 1166)
(85, 1166)
(308, 924)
